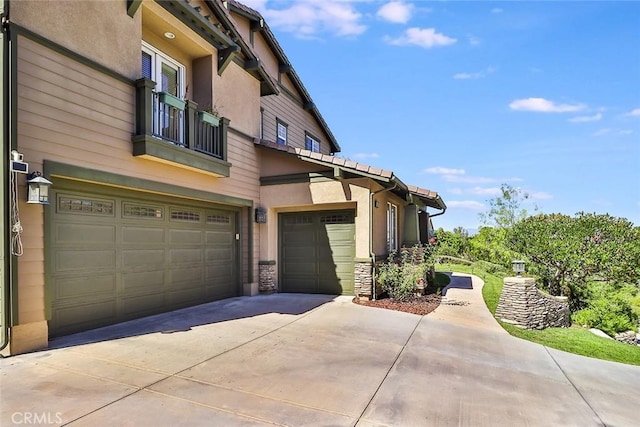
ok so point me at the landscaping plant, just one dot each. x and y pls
(404, 272)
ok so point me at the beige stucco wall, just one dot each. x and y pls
(93, 29)
(314, 196)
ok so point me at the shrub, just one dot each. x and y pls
(400, 275)
(611, 314)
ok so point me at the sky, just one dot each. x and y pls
(460, 97)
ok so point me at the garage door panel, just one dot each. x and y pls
(301, 236)
(83, 260)
(144, 280)
(81, 317)
(136, 254)
(219, 237)
(182, 255)
(186, 277)
(189, 237)
(143, 235)
(83, 286)
(86, 234)
(140, 305)
(218, 255)
(143, 258)
(185, 297)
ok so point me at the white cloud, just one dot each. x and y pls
(366, 155)
(308, 19)
(423, 37)
(540, 195)
(466, 204)
(610, 131)
(439, 170)
(473, 76)
(634, 113)
(583, 119)
(486, 191)
(541, 105)
(474, 41)
(396, 11)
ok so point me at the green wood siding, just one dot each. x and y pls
(317, 251)
(115, 256)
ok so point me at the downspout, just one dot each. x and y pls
(5, 250)
(372, 255)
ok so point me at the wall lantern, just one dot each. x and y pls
(518, 267)
(261, 215)
(38, 188)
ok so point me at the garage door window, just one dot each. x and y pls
(218, 219)
(183, 215)
(85, 206)
(336, 219)
(139, 211)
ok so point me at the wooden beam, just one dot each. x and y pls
(225, 56)
(256, 25)
(284, 68)
(133, 6)
(252, 64)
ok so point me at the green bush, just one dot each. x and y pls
(611, 314)
(400, 275)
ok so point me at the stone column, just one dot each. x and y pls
(267, 277)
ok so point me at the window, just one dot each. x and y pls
(262, 123)
(392, 227)
(311, 143)
(169, 77)
(282, 133)
(166, 72)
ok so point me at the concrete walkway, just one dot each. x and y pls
(297, 360)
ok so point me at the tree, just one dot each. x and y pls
(568, 252)
(506, 210)
(452, 243)
(489, 244)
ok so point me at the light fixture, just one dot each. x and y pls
(169, 35)
(518, 267)
(261, 215)
(38, 188)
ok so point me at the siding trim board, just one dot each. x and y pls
(55, 169)
(149, 147)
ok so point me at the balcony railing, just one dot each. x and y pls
(177, 122)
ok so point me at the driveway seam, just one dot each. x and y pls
(395, 361)
(575, 387)
(175, 374)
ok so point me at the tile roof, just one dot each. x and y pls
(431, 198)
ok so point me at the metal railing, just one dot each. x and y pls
(160, 117)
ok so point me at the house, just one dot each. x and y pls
(188, 164)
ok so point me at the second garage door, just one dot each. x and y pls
(317, 251)
(118, 256)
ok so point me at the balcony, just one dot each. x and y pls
(171, 130)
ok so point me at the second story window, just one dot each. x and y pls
(282, 133)
(166, 72)
(311, 144)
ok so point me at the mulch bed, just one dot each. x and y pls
(420, 305)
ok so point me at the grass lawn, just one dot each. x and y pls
(573, 340)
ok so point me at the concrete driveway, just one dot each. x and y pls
(298, 360)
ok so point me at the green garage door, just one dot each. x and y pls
(117, 257)
(317, 251)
